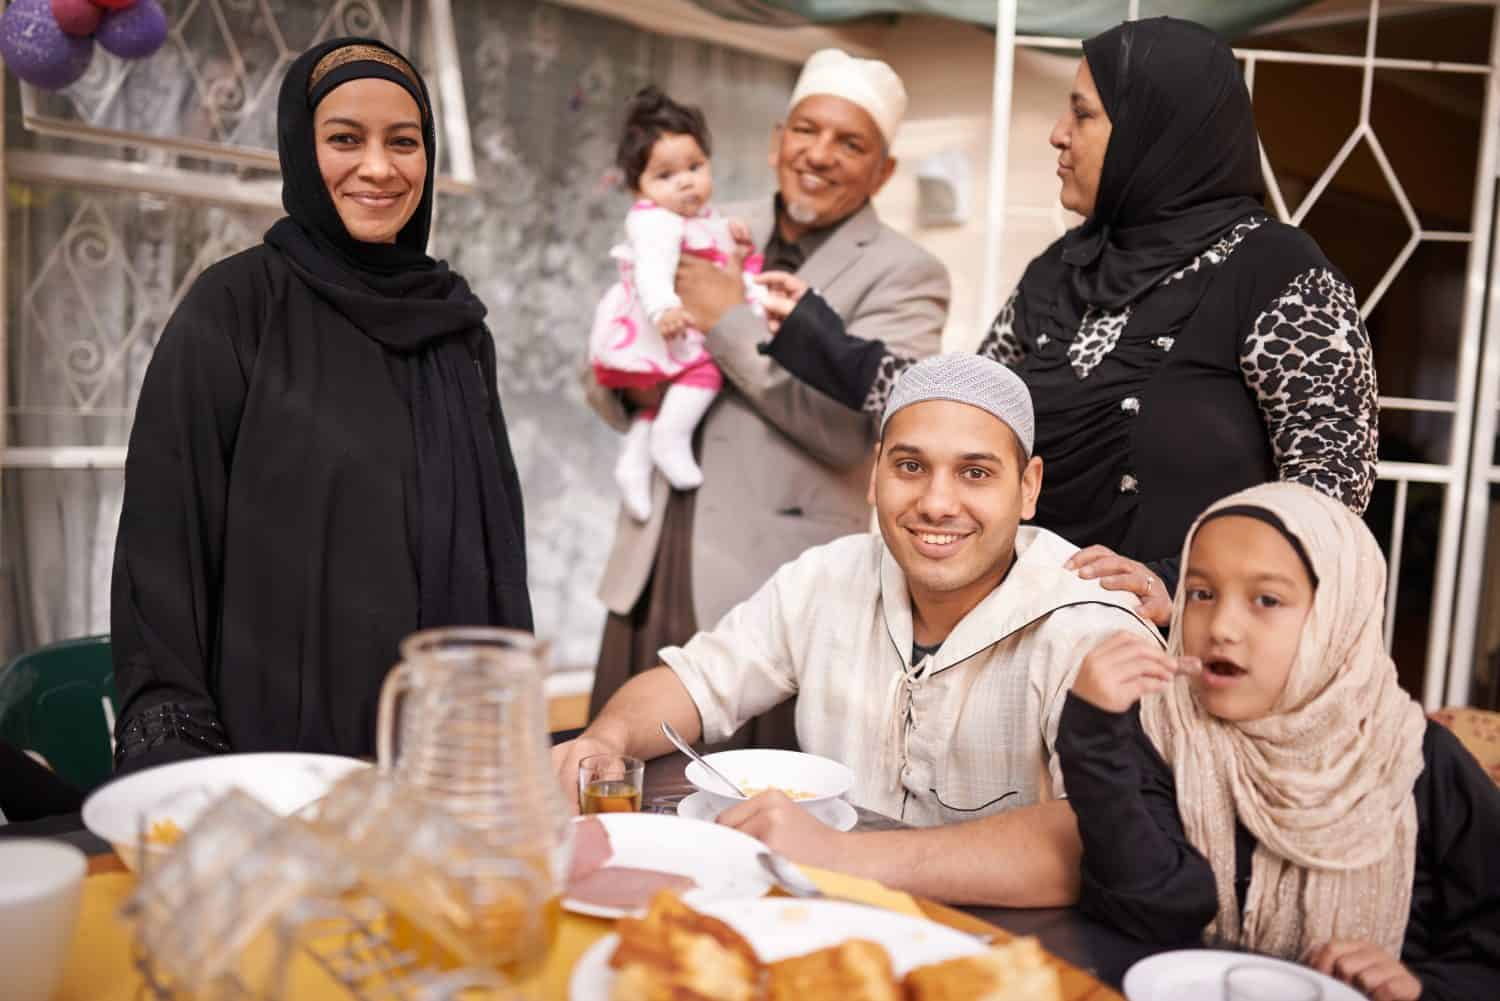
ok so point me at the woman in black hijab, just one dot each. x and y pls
(319, 463)
(1180, 345)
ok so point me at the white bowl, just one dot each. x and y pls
(807, 778)
(41, 884)
(285, 782)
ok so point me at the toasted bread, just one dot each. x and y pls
(1014, 972)
(676, 954)
(856, 970)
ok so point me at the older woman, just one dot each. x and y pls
(1180, 344)
(319, 463)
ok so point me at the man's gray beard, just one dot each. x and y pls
(801, 213)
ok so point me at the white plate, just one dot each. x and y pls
(778, 928)
(1198, 974)
(284, 782)
(836, 813)
(720, 860)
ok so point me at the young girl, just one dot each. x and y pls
(1276, 789)
(642, 336)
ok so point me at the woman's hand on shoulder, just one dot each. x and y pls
(1120, 573)
(1126, 666)
(1366, 967)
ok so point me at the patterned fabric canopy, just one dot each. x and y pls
(1078, 19)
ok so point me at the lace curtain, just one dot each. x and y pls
(93, 276)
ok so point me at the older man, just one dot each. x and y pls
(784, 466)
(933, 658)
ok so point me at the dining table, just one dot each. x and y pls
(1094, 956)
(1090, 957)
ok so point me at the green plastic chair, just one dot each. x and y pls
(52, 702)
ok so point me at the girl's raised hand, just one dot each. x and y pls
(1125, 667)
(1366, 967)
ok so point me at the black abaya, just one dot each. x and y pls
(318, 467)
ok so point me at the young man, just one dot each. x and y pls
(933, 658)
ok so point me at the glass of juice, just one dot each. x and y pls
(610, 783)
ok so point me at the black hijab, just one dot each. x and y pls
(1181, 170)
(1182, 167)
(468, 535)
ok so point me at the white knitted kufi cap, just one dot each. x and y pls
(967, 378)
(868, 83)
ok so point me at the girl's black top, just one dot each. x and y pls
(1143, 876)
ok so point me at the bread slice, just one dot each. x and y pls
(676, 954)
(1015, 972)
(856, 970)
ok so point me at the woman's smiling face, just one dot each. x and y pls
(372, 157)
(1248, 595)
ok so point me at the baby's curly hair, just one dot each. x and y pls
(650, 115)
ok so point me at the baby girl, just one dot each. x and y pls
(642, 336)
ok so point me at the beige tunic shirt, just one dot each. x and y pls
(965, 733)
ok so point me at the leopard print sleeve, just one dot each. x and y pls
(891, 367)
(1308, 360)
(1000, 343)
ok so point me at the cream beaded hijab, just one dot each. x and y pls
(1325, 781)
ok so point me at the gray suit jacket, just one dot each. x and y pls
(784, 467)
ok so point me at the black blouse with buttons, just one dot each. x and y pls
(1141, 426)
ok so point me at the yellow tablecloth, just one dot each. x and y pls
(99, 966)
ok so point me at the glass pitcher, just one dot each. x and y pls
(463, 719)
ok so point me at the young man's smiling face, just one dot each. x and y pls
(950, 486)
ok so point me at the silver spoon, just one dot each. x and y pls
(791, 879)
(682, 746)
(788, 876)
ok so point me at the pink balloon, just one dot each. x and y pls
(77, 17)
(37, 50)
(114, 4)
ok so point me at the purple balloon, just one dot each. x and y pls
(37, 50)
(135, 32)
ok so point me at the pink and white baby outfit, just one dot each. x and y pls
(627, 351)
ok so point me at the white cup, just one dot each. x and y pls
(41, 884)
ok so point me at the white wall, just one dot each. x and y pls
(948, 69)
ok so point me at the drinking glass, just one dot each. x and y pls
(1253, 981)
(41, 884)
(610, 783)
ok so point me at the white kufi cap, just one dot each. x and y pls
(868, 83)
(967, 378)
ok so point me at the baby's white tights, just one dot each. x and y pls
(665, 443)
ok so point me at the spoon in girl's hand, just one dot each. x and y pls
(1189, 666)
